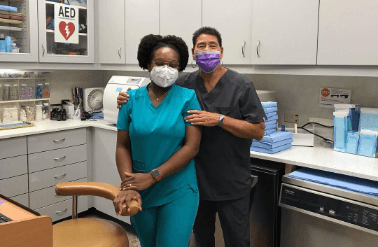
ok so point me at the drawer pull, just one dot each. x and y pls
(59, 141)
(60, 159)
(61, 212)
(60, 176)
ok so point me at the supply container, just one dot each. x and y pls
(353, 138)
(10, 113)
(13, 91)
(353, 116)
(26, 89)
(369, 119)
(368, 143)
(29, 109)
(46, 111)
(340, 130)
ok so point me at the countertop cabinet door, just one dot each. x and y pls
(54, 52)
(180, 18)
(348, 32)
(233, 19)
(141, 18)
(105, 168)
(111, 31)
(285, 32)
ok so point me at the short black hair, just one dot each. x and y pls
(151, 43)
(207, 30)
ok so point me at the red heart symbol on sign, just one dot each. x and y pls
(66, 29)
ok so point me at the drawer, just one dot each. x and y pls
(10, 187)
(55, 140)
(12, 147)
(63, 209)
(57, 211)
(22, 199)
(15, 166)
(47, 196)
(55, 158)
(50, 177)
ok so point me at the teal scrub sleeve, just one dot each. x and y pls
(124, 119)
(191, 104)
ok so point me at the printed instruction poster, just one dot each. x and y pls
(331, 96)
(66, 24)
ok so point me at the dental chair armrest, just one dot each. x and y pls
(104, 190)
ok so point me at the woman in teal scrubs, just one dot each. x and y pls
(156, 147)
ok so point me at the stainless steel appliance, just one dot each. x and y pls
(315, 215)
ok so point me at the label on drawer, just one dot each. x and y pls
(33, 178)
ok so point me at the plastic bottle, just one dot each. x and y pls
(15, 49)
(3, 45)
(8, 42)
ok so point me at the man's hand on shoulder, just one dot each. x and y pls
(122, 99)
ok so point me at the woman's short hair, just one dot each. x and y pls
(207, 30)
(151, 43)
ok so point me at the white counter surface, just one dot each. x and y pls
(326, 159)
(51, 126)
(313, 157)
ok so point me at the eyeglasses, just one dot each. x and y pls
(172, 63)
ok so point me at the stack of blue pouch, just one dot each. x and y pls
(273, 143)
(270, 109)
(354, 184)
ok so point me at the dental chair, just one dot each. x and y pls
(90, 232)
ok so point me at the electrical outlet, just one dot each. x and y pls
(291, 117)
(323, 131)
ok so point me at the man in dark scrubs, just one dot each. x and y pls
(231, 117)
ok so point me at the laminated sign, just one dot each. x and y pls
(331, 96)
(66, 24)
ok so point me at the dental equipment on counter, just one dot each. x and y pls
(115, 85)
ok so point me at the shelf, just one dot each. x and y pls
(52, 31)
(79, 7)
(24, 100)
(18, 29)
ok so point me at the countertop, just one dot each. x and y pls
(312, 157)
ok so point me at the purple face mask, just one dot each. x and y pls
(207, 60)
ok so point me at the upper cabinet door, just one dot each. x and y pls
(111, 31)
(285, 32)
(142, 18)
(54, 51)
(181, 18)
(21, 25)
(233, 19)
(348, 32)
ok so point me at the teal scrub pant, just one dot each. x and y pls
(168, 225)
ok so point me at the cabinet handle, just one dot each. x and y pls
(61, 212)
(119, 52)
(60, 159)
(60, 176)
(243, 48)
(43, 50)
(59, 141)
(258, 48)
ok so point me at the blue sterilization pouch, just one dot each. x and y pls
(367, 145)
(352, 142)
(340, 130)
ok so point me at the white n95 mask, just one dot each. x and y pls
(164, 76)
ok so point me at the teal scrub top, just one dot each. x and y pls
(156, 133)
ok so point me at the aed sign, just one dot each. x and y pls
(66, 24)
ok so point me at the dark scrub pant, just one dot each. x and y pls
(234, 219)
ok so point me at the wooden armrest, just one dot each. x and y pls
(104, 190)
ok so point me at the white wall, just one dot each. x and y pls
(300, 94)
(62, 82)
